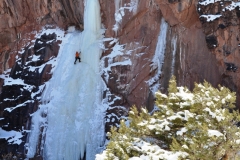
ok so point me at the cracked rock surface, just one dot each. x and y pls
(202, 43)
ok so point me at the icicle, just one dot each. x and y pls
(120, 11)
(174, 43)
(158, 58)
(90, 43)
(118, 16)
(134, 4)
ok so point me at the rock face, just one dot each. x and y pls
(196, 49)
(19, 19)
(18, 100)
(139, 31)
(220, 22)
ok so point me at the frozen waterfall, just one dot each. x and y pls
(158, 59)
(74, 122)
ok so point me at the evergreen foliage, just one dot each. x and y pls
(197, 125)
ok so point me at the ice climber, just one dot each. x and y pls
(77, 57)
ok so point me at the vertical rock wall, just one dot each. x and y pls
(20, 18)
(20, 21)
(196, 50)
(138, 31)
(19, 101)
(220, 24)
(194, 61)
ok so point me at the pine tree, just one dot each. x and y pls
(197, 125)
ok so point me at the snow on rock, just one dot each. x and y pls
(207, 2)
(117, 50)
(10, 109)
(13, 137)
(71, 29)
(133, 6)
(120, 11)
(210, 18)
(9, 81)
(232, 6)
(22, 89)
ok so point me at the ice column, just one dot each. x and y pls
(158, 58)
(174, 45)
(72, 100)
(92, 34)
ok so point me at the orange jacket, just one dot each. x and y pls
(77, 54)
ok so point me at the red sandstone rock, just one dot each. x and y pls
(23, 17)
(138, 29)
(197, 58)
(194, 61)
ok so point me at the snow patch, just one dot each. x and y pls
(71, 29)
(213, 133)
(10, 109)
(150, 151)
(210, 17)
(232, 6)
(117, 50)
(120, 11)
(207, 2)
(13, 137)
(182, 131)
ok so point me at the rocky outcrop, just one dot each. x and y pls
(220, 23)
(138, 31)
(20, 99)
(19, 20)
(196, 49)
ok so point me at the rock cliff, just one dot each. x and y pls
(202, 41)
